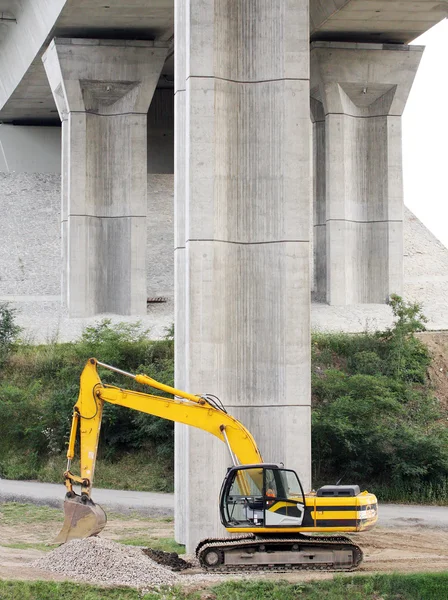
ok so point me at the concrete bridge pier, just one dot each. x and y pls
(242, 202)
(102, 89)
(358, 94)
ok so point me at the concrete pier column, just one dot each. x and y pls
(102, 89)
(358, 94)
(180, 183)
(245, 271)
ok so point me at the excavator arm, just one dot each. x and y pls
(82, 516)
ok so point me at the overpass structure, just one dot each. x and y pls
(263, 90)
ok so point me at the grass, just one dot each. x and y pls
(136, 516)
(430, 586)
(138, 472)
(156, 543)
(429, 493)
(14, 513)
(31, 546)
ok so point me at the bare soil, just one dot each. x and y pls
(168, 559)
(437, 343)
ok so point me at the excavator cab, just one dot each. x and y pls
(263, 496)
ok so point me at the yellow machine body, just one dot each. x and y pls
(256, 498)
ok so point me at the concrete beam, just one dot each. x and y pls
(242, 202)
(102, 89)
(358, 94)
(376, 21)
(24, 41)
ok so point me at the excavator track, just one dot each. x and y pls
(258, 553)
(234, 538)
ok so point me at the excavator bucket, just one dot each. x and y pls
(83, 518)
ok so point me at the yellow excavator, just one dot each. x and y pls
(264, 503)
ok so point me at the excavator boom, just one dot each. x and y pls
(83, 517)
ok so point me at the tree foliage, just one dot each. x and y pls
(374, 417)
(9, 331)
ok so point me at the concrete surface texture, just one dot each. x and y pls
(103, 90)
(30, 266)
(30, 256)
(245, 237)
(37, 149)
(396, 21)
(24, 92)
(27, 96)
(359, 92)
(34, 23)
(30, 149)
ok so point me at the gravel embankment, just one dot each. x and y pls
(96, 560)
(104, 561)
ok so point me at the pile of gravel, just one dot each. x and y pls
(98, 560)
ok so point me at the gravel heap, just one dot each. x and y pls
(98, 560)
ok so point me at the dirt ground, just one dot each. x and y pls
(437, 343)
(405, 550)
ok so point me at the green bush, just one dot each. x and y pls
(374, 421)
(9, 331)
(39, 387)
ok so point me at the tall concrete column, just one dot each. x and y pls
(102, 89)
(180, 182)
(245, 265)
(358, 94)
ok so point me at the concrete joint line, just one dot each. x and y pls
(357, 116)
(178, 91)
(250, 243)
(367, 222)
(179, 248)
(110, 217)
(97, 114)
(243, 82)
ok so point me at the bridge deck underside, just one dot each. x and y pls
(382, 21)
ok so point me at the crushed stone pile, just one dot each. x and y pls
(99, 560)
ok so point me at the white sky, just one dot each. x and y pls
(425, 135)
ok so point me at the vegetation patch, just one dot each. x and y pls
(430, 586)
(375, 419)
(14, 513)
(30, 546)
(156, 543)
(39, 386)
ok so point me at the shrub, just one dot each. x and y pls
(406, 357)
(9, 331)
